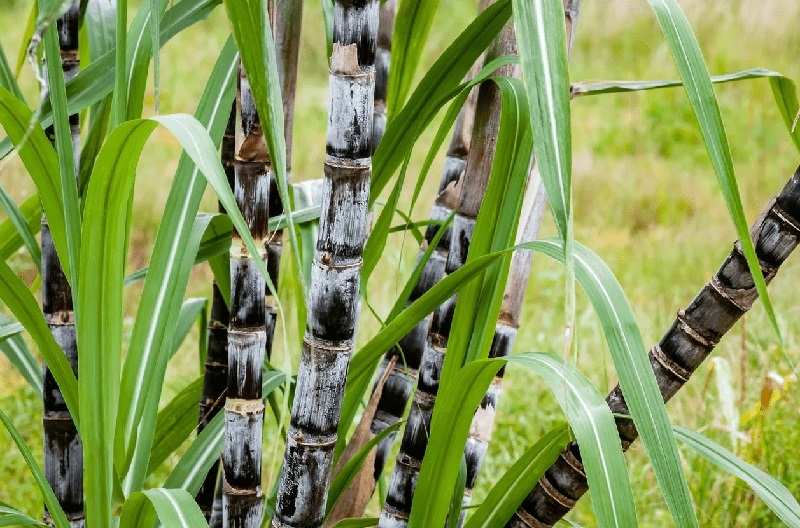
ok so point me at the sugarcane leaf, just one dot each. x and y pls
(96, 81)
(376, 242)
(785, 93)
(9, 328)
(19, 300)
(769, 489)
(636, 378)
(458, 494)
(253, 34)
(479, 302)
(412, 25)
(783, 89)
(327, 17)
(17, 352)
(41, 162)
(697, 82)
(13, 517)
(64, 151)
(23, 227)
(7, 79)
(588, 415)
(173, 255)
(541, 39)
(357, 523)
(341, 481)
(175, 423)
(516, 483)
(189, 313)
(142, 44)
(441, 82)
(10, 237)
(30, 27)
(121, 78)
(50, 500)
(579, 89)
(175, 508)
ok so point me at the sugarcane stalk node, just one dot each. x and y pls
(244, 407)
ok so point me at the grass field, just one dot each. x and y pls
(646, 200)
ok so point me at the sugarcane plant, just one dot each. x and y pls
(505, 90)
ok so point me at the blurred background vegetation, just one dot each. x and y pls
(646, 200)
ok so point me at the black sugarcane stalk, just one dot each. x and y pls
(383, 57)
(335, 277)
(247, 331)
(691, 338)
(408, 353)
(215, 379)
(474, 183)
(480, 433)
(63, 450)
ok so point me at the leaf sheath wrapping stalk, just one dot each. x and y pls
(691, 338)
(333, 294)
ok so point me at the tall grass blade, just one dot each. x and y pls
(7, 78)
(17, 352)
(175, 508)
(770, 490)
(120, 69)
(413, 23)
(174, 424)
(163, 289)
(13, 517)
(23, 227)
(57, 514)
(697, 82)
(10, 237)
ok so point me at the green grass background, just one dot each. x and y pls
(646, 200)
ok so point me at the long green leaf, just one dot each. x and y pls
(23, 227)
(173, 256)
(50, 500)
(189, 313)
(145, 29)
(41, 162)
(175, 423)
(588, 415)
(64, 150)
(412, 25)
(440, 84)
(175, 508)
(7, 79)
(783, 89)
(13, 517)
(697, 82)
(505, 497)
(10, 238)
(97, 80)
(770, 490)
(17, 352)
